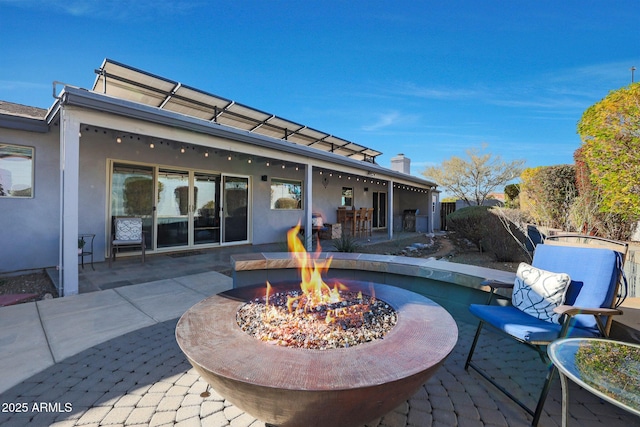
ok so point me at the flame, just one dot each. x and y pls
(314, 290)
(266, 297)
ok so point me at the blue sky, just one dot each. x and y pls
(429, 79)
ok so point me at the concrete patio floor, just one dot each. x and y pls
(109, 357)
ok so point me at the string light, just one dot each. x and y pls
(119, 140)
(152, 145)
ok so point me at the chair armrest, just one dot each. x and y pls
(496, 284)
(572, 311)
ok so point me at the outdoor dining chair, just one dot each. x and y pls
(572, 289)
(364, 221)
(127, 233)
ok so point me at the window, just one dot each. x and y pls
(16, 171)
(347, 196)
(286, 194)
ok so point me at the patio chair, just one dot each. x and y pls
(364, 221)
(344, 219)
(361, 219)
(127, 233)
(572, 289)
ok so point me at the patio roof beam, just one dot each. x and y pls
(219, 111)
(318, 140)
(259, 125)
(171, 95)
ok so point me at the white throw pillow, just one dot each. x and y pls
(537, 292)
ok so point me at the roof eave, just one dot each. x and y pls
(28, 124)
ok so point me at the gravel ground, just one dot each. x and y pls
(32, 283)
(445, 247)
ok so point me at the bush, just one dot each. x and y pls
(546, 194)
(469, 223)
(491, 230)
(512, 194)
(610, 137)
(505, 238)
(346, 243)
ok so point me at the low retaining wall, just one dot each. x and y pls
(428, 277)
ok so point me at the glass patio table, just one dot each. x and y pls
(609, 369)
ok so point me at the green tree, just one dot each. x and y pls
(474, 178)
(610, 133)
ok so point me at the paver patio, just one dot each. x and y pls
(142, 378)
(115, 370)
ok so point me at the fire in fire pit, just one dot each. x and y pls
(318, 316)
(356, 319)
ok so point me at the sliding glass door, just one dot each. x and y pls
(132, 195)
(181, 208)
(235, 209)
(173, 208)
(379, 209)
(206, 215)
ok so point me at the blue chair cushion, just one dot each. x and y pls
(523, 326)
(594, 273)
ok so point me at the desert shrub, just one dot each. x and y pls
(546, 194)
(586, 213)
(469, 223)
(346, 243)
(505, 235)
(492, 231)
(512, 193)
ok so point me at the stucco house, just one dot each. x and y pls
(201, 170)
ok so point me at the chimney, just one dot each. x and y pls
(400, 163)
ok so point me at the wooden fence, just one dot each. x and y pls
(445, 209)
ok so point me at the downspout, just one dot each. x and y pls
(390, 211)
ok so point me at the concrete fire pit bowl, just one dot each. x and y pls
(286, 386)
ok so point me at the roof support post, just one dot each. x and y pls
(69, 178)
(432, 204)
(390, 211)
(308, 211)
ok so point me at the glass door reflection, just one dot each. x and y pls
(173, 208)
(132, 195)
(235, 209)
(206, 215)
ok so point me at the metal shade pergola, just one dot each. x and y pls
(125, 82)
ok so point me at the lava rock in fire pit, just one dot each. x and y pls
(353, 320)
